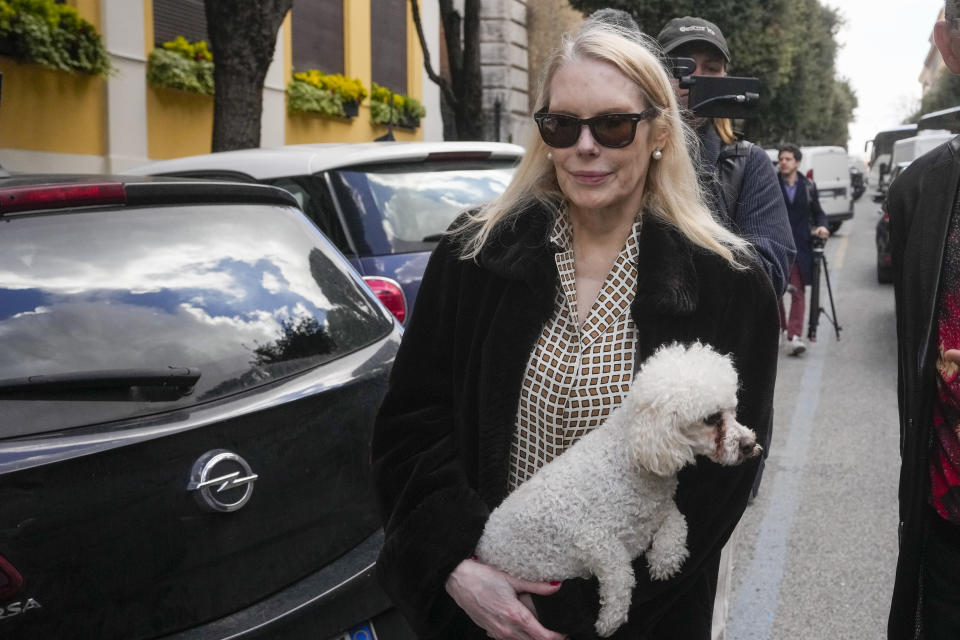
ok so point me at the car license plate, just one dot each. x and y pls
(364, 631)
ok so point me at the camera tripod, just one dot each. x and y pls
(815, 309)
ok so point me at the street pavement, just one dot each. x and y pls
(817, 550)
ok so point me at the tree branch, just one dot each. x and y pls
(440, 82)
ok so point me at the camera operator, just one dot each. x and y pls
(736, 173)
(743, 186)
(808, 221)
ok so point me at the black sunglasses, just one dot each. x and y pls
(614, 130)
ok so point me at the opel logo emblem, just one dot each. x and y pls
(222, 481)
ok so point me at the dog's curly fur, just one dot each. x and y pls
(609, 497)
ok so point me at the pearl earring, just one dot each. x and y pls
(657, 154)
(549, 155)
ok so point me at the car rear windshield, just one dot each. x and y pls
(403, 208)
(244, 294)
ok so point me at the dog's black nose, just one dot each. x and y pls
(750, 449)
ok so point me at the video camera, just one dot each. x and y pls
(716, 97)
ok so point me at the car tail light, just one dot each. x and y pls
(10, 579)
(809, 174)
(54, 196)
(390, 294)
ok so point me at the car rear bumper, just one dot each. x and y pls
(342, 595)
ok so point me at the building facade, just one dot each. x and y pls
(932, 64)
(61, 122)
(505, 67)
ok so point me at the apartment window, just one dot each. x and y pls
(172, 18)
(317, 33)
(388, 45)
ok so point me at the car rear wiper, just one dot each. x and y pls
(180, 378)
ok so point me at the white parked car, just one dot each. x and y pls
(909, 149)
(385, 205)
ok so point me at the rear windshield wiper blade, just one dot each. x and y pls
(182, 378)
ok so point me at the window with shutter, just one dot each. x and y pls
(388, 45)
(317, 33)
(172, 18)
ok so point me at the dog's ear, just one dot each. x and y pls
(657, 443)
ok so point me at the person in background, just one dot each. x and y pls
(535, 312)
(736, 173)
(745, 195)
(925, 243)
(807, 220)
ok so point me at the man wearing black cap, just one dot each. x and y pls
(739, 175)
(746, 193)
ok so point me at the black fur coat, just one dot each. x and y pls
(441, 442)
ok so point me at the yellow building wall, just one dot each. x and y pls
(305, 128)
(179, 123)
(54, 111)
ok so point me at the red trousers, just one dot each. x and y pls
(797, 292)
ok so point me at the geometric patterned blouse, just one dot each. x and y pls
(576, 376)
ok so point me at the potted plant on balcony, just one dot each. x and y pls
(387, 107)
(183, 65)
(413, 111)
(328, 94)
(53, 35)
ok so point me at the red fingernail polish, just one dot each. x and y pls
(553, 584)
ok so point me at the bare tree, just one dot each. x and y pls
(243, 37)
(463, 95)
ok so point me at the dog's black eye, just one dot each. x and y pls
(714, 419)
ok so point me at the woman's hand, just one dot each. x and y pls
(821, 232)
(952, 355)
(492, 600)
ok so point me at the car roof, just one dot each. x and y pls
(823, 149)
(304, 159)
(944, 119)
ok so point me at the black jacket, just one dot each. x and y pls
(441, 442)
(743, 186)
(920, 204)
(805, 214)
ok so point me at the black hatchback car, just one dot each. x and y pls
(884, 257)
(188, 376)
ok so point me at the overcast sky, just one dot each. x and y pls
(883, 47)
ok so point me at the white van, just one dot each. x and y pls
(829, 169)
(909, 149)
(880, 149)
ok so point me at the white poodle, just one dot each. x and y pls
(609, 497)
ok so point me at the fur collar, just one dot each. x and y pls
(520, 249)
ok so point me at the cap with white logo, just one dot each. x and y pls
(680, 31)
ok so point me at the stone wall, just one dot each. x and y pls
(503, 56)
(547, 21)
(516, 36)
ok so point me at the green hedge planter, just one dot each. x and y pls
(332, 95)
(52, 35)
(181, 65)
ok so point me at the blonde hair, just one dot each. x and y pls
(672, 192)
(725, 129)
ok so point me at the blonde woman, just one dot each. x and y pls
(535, 311)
